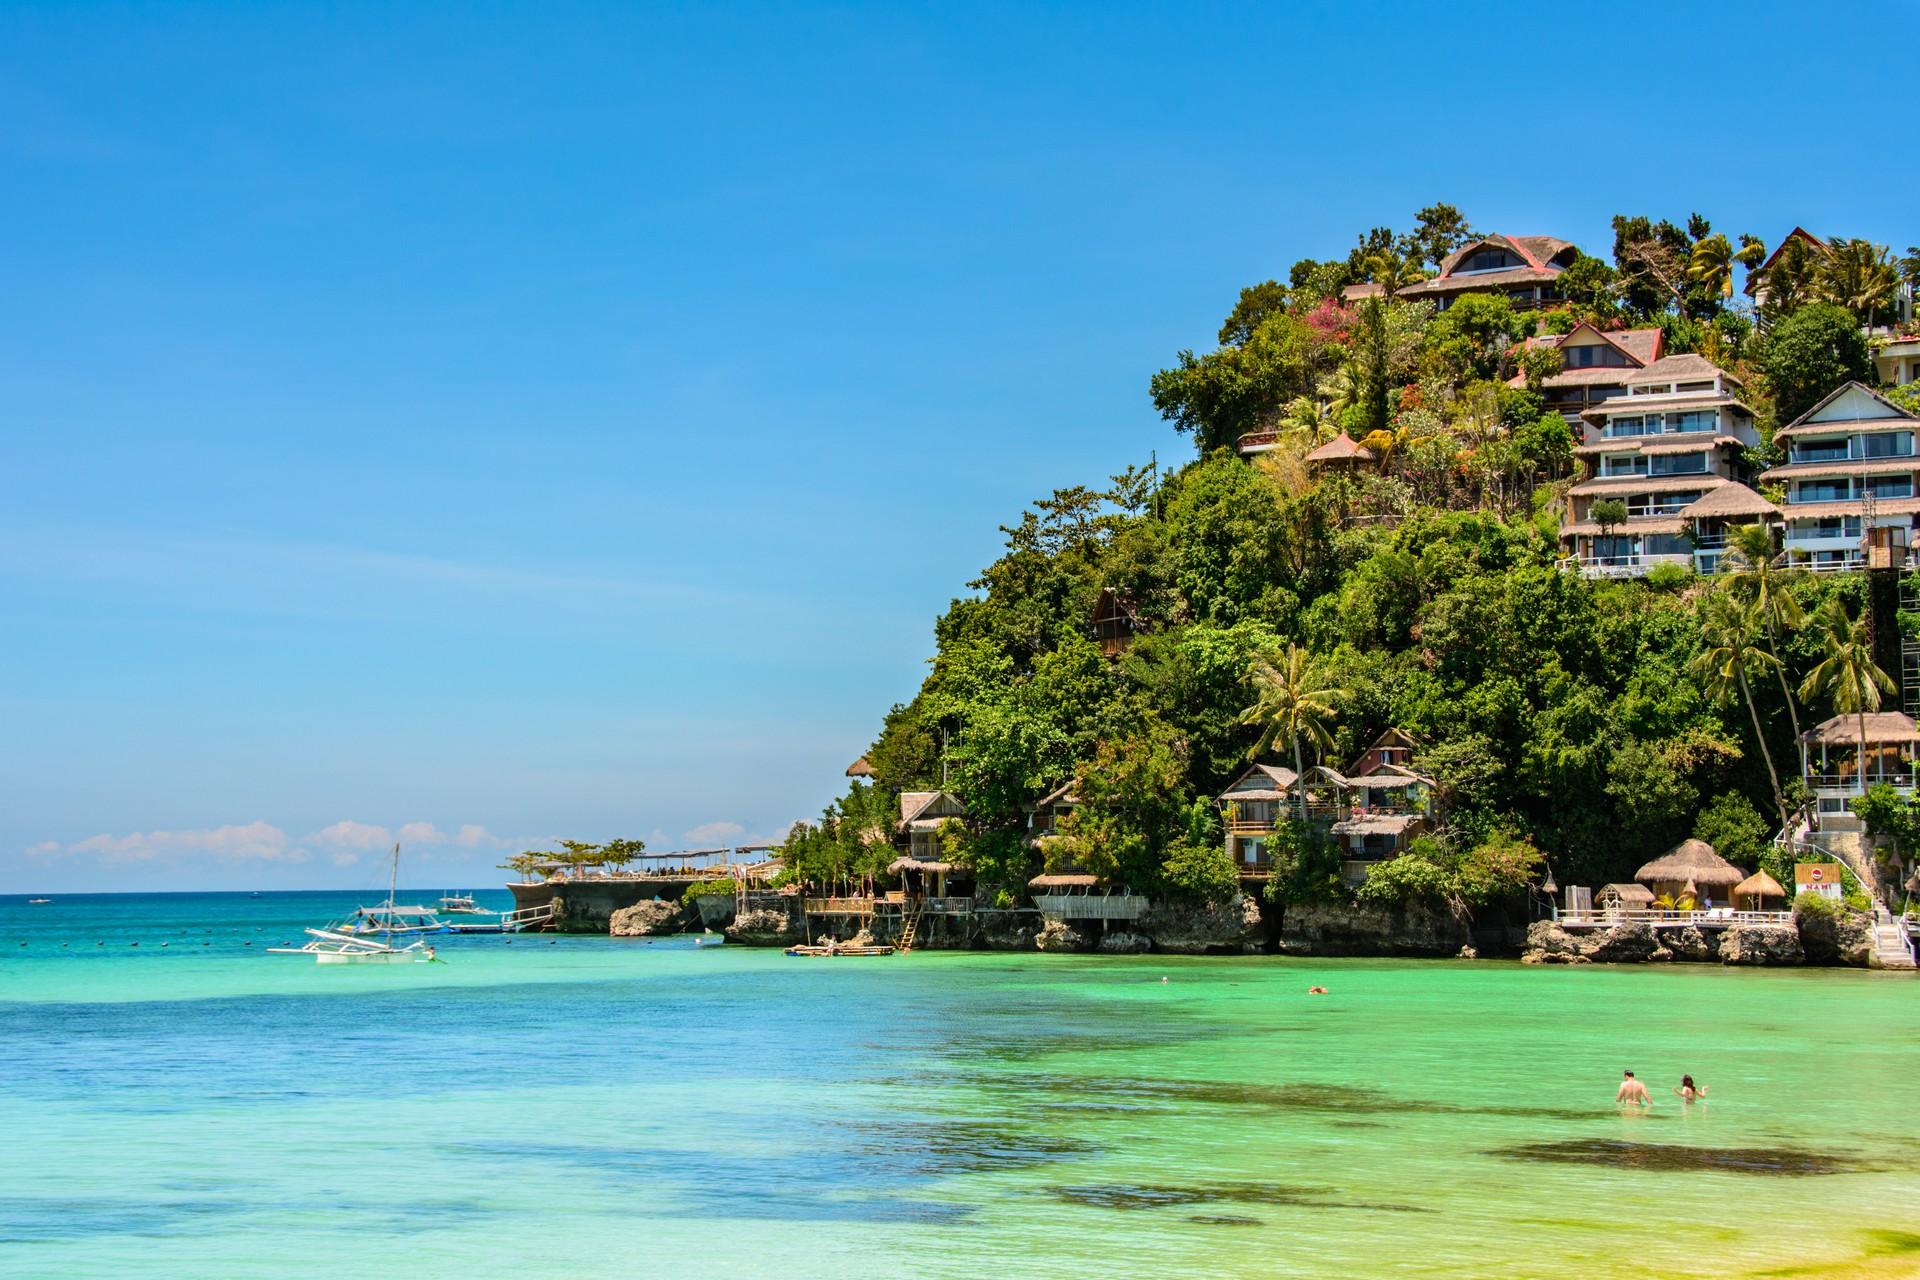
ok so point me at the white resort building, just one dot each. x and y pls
(1595, 366)
(1851, 475)
(1671, 452)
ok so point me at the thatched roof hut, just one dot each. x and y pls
(1753, 892)
(1343, 448)
(1632, 897)
(1690, 866)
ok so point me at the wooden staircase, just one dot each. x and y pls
(909, 929)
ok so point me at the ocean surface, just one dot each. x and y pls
(590, 1107)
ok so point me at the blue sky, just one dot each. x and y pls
(568, 420)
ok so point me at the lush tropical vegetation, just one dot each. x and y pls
(1291, 613)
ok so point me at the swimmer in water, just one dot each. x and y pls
(1316, 991)
(1632, 1092)
(1691, 1092)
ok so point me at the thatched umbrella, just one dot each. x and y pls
(1757, 887)
(1689, 867)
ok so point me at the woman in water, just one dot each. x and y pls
(1691, 1092)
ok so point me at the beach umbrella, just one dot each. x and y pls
(1758, 885)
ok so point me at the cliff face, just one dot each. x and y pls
(1223, 928)
(1338, 929)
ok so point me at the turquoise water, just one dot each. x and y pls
(599, 1107)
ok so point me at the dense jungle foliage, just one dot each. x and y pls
(1594, 723)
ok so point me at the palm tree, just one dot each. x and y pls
(1733, 633)
(1393, 271)
(1711, 263)
(1860, 276)
(1293, 702)
(1755, 571)
(1847, 673)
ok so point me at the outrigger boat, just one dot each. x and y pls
(367, 936)
(840, 949)
(329, 947)
(462, 904)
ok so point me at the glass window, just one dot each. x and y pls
(1823, 491)
(1894, 444)
(1680, 464)
(1820, 451)
(1891, 486)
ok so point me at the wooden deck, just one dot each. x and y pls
(1718, 918)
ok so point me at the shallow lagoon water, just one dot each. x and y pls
(597, 1107)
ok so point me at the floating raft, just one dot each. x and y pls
(839, 951)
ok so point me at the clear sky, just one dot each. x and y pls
(568, 420)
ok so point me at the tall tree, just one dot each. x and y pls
(1846, 674)
(1812, 351)
(1438, 230)
(1293, 701)
(1860, 276)
(1761, 575)
(1711, 263)
(1734, 632)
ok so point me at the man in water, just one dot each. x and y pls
(1632, 1092)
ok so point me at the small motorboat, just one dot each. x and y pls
(38, 902)
(462, 904)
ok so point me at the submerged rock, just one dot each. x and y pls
(1761, 944)
(644, 919)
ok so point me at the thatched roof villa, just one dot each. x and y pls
(1691, 868)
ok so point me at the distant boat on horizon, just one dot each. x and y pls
(38, 902)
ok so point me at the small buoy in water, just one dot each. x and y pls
(246, 944)
(206, 944)
(133, 944)
(165, 944)
(550, 941)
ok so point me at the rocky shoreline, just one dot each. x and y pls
(1249, 926)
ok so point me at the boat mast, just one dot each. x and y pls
(393, 885)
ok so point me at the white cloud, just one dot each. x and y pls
(44, 848)
(715, 833)
(474, 836)
(253, 842)
(348, 834)
(420, 833)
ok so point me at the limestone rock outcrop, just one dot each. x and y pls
(645, 919)
(1761, 944)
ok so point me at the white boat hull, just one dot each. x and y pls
(408, 956)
